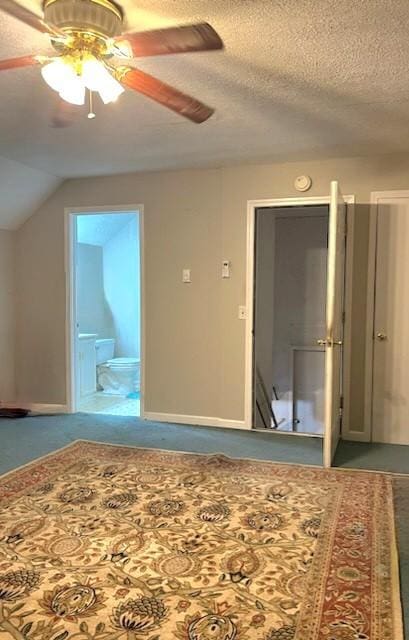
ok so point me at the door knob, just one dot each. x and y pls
(381, 336)
(321, 343)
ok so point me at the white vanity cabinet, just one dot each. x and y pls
(87, 366)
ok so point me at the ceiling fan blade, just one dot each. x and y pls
(159, 42)
(163, 93)
(15, 63)
(28, 17)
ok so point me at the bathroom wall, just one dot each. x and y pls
(7, 316)
(121, 272)
(93, 312)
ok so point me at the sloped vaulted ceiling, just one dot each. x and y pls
(23, 185)
(298, 78)
(22, 190)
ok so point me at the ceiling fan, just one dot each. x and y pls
(89, 43)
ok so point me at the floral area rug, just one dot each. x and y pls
(101, 542)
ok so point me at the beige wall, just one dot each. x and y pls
(7, 316)
(196, 218)
(182, 228)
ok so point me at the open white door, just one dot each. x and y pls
(334, 323)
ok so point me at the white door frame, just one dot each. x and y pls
(70, 214)
(370, 302)
(252, 205)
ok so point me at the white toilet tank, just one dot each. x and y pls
(104, 349)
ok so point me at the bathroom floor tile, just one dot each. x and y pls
(111, 405)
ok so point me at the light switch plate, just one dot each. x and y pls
(242, 312)
(186, 276)
(226, 269)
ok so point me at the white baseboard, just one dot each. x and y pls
(37, 407)
(201, 421)
(9, 403)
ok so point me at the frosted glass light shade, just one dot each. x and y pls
(57, 74)
(111, 93)
(62, 76)
(74, 92)
(97, 78)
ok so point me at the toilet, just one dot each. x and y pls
(116, 376)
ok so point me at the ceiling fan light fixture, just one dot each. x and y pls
(71, 78)
(96, 77)
(58, 74)
(73, 92)
(111, 94)
(87, 34)
(110, 91)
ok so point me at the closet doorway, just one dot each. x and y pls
(298, 298)
(387, 406)
(289, 317)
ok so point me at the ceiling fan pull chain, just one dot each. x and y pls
(91, 114)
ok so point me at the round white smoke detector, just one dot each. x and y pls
(302, 183)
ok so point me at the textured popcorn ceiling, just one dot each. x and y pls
(298, 78)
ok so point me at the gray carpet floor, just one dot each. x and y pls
(24, 440)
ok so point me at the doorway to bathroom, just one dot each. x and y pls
(104, 341)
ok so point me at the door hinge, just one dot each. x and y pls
(343, 317)
(341, 405)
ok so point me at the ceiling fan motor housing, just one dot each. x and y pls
(100, 17)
